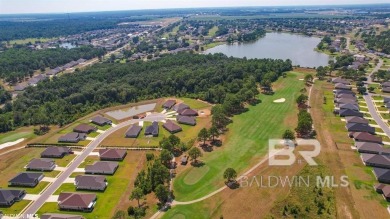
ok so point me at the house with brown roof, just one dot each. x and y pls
(9, 196)
(133, 131)
(376, 160)
(152, 130)
(172, 127)
(359, 127)
(88, 182)
(369, 147)
(77, 201)
(180, 107)
(188, 112)
(169, 104)
(41, 165)
(338, 92)
(349, 112)
(340, 80)
(384, 190)
(102, 168)
(340, 86)
(101, 121)
(366, 137)
(112, 154)
(60, 216)
(55, 152)
(356, 119)
(84, 128)
(26, 179)
(72, 137)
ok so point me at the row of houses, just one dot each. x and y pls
(369, 145)
(81, 131)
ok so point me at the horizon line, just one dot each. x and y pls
(205, 7)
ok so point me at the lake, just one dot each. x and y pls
(298, 48)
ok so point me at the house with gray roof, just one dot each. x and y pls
(338, 92)
(133, 131)
(359, 127)
(112, 154)
(180, 107)
(340, 80)
(169, 104)
(101, 121)
(349, 106)
(349, 112)
(102, 168)
(382, 175)
(384, 190)
(41, 164)
(84, 128)
(369, 147)
(88, 182)
(341, 86)
(188, 120)
(366, 137)
(72, 137)
(9, 196)
(152, 130)
(376, 160)
(172, 127)
(188, 112)
(26, 179)
(55, 152)
(356, 119)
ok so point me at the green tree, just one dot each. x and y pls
(230, 174)
(301, 99)
(194, 153)
(162, 193)
(203, 135)
(165, 157)
(308, 78)
(288, 134)
(137, 194)
(361, 90)
(214, 133)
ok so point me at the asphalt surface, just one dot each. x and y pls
(374, 114)
(36, 205)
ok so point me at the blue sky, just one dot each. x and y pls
(61, 6)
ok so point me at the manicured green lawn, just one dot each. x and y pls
(63, 162)
(106, 201)
(16, 208)
(89, 160)
(195, 104)
(15, 135)
(213, 30)
(247, 140)
(36, 190)
(104, 127)
(93, 134)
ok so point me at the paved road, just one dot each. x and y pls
(34, 207)
(375, 115)
(377, 67)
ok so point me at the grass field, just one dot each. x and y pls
(63, 162)
(15, 135)
(108, 200)
(30, 40)
(246, 140)
(212, 31)
(15, 208)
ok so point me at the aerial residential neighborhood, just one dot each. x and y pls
(194, 109)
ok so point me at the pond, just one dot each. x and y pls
(67, 45)
(135, 110)
(298, 48)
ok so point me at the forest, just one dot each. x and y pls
(18, 63)
(214, 78)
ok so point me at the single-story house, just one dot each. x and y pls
(72, 137)
(382, 175)
(188, 120)
(101, 121)
(133, 131)
(9, 196)
(41, 164)
(112, 154)
(20, 87)
(180, 107)
(337, 92)
(102, 168)
(366, 137)
(386, 89)
(384, 190)
(387, 105)
(376, 160)
(349, 106)
(188, 112)
(169, 104)
(84, 128)
(77, 201)
(359, 127)
(346, 100)
(55, 152)
(356, 119)
(172, 127)
(386, 99)
(343, 95)
(152, 129)
(349, 112)
(26, 179)
(369, 147)
(340, 80)
(386, 84)
(341, 86)
(87, 182)
(60, 216)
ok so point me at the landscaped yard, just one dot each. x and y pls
(63, 162)
(89, 160)
(15, 135)
(16, 208)
(247, 140)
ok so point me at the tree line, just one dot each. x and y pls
(18, 63)
(215, 78)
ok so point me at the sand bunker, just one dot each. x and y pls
(11, 143)
(301, 79)
(281, 100)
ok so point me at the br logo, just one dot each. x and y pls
(287, 150)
